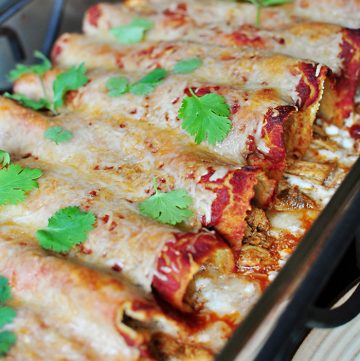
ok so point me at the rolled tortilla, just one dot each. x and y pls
(129, 154)
(340, 12)
(265, 129)
(141, 251)
(297, 38)
(298, 82)
(37, 339)
(86, 304)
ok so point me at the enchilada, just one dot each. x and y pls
(292, 37)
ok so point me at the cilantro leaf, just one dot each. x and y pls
(169, 208)
(66, 228)
(142, 89)
(187, 66)
(7, 315)
(7, 340)
(58, 134)
(133, 32)
(117, 86)
(259, 4)
(154, 76)
(205, 117)
(70, 79)
(38, 69)
(5, 291)
(148, 83)
(4, 158)
(15, 182)
(29, 103)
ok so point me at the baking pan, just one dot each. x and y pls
(287, 307)
(290, 306)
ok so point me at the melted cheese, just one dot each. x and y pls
(161, 108)
(220, 64)
(38, 340)
(341, 12)
(287, 222)
(302, 39)
(39, 280)
(227, 295)
(116, 152)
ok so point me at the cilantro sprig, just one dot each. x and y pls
(67, 228)
(58, 134)
(71, 79)
(167, 207)
(187, 66)
(38, 69)
(15, 182)
(7, 316)
(206, 117)
(29, 103)
(132, 33)
(7, 340)
(119, 85)
(148, 83)
(4, 158)
(5, 290)
(259, 4)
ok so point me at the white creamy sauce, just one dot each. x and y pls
(332, 130)
(317, 71)
(262, 147)
(227, 294)
(289, 222)
(203, 202)
(160, 276)
(340, 136)
(315, 191)
(341, 156)
(272, 275)
(219, 174)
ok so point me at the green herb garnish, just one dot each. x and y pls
(15, 182)
(58, 134)
(7, 340)
(259, 4)
(133, 32)
(29, 103)
(38, 69)
(206, 117)
(187, 66)
(71, 79)
(4, 158)
(117, 86)
(5, 290)
(167, 207)
(148, 83)
(7, 315)
(66, 228)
